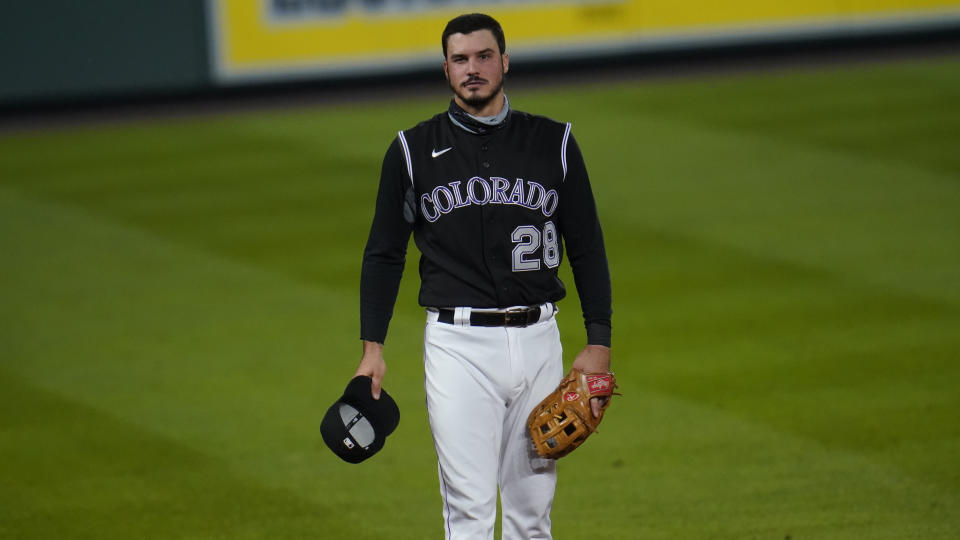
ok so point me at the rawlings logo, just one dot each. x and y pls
(571, 396)
(599, 384)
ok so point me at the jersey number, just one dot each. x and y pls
(528, 240)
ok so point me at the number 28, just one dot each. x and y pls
(528, 240)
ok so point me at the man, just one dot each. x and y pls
(491, 195)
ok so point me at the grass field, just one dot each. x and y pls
(179, 307)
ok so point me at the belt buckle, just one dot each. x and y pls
(513, 315)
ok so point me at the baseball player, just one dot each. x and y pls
(493, 197)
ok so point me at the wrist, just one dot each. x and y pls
(372, 348)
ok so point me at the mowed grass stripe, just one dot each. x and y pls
(124, 298)
(883, 222)
(897, 111)
(293, 190)
(248, 200)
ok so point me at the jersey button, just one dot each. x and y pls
(486, 164)
(484, 148)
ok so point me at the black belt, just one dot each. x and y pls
(519, 317)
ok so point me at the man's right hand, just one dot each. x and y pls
(372, 365)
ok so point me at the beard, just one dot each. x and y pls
(474, 99)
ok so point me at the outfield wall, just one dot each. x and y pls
(60, 50)
(53, 50)
(269, 39)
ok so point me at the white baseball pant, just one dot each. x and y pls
(481, 384)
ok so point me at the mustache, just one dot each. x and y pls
(473, 80)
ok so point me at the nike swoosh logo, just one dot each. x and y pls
(441, 152)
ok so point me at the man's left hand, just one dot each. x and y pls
(594, 359)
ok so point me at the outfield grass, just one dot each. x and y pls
(179, 307)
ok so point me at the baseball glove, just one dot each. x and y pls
(563, 420)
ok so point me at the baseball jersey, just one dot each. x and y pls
(492, 210)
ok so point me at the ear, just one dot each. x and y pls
(445, 74)
(505, 59)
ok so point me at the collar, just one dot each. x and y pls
(479, 125)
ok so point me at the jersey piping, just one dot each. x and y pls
(406, 155)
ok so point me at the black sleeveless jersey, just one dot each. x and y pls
(492, 214)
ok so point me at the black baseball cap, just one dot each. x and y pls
(356, 426)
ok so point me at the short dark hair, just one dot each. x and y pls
(471, 22)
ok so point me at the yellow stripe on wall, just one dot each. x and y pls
(249, 41)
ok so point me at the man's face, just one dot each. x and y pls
(474, 68)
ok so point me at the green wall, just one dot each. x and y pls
(62, 50)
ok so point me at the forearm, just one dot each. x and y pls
(372, 365)
(379, 286)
